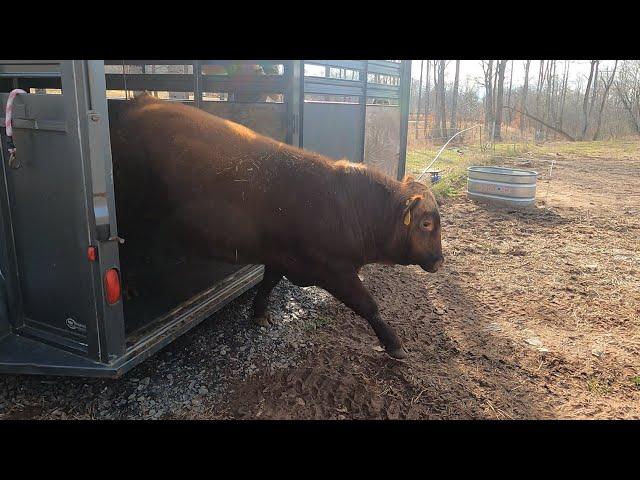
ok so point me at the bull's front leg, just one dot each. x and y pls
(350, 291)
(270, 279)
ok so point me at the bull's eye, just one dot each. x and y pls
(427, 225)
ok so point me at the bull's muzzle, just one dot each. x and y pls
(433, 266)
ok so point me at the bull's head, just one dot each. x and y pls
(420, 227)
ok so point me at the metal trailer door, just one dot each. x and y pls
(49, 213)
(334, 108)
(358, 110)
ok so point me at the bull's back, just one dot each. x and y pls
(219, 184)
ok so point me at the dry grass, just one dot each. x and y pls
(455, 159)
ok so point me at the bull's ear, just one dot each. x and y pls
(409, 204)
(408, 179)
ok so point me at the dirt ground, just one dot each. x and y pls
(536, 314)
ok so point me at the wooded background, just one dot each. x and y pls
(541, 105)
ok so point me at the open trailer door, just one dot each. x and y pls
(57, 205)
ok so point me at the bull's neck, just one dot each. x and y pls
(375, 204)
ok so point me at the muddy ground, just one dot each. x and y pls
(536, 314)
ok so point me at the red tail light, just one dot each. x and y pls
(112, 288)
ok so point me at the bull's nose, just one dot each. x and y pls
(435, 266)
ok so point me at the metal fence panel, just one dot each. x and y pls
(333, 129)
(382, 138)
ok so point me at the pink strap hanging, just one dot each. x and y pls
(8, 125)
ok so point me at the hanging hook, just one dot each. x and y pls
(13, 161)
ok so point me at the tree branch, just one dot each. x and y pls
(551, 127)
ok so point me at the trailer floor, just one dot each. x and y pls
(535, 315)
(162, 285)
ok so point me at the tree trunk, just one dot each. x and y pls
(454, 101)
(631, 103)
(419, 98)
(436, 101)
(585, 102)
(509, 96)
(495, 87)
(442, 99)
(502, 65)
(547, 110)
(554, 94)
(563, 96)
(524, 95)
(604, 99)
(427, 95)
(488, 97)
(539, 86)
(594, 89)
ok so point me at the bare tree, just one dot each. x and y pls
(548, 99)
(604, 102)
(509, 96)
(501, 67)
(563, 95)
(554, 92)
(427, 106)
(487, 68)
(495, 84)
(607, 83)
(539, 86)
(628, 90)
(585, 102)
(594, 89)
(525, 88)
(441, 97)
(419, 97)
(436, 99)
(454, 100)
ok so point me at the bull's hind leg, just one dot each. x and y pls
(261, 300)
(350, 291)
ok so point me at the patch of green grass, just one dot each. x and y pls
(453, 163)
(598, 387)
(451, 184)
(636, 380)
(455, 159)
(315, 324)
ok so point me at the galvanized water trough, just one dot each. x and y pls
(505, 186)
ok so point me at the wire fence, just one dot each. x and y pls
(421, 134)
(475, 139)
(469, 144)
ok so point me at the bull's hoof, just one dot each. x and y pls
(261, 321)
(398, 353)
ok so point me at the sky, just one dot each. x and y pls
(472, 69)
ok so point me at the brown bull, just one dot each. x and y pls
(241, 197)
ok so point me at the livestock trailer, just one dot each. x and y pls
(64, 308)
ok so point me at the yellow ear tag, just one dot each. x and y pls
(407, 218)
